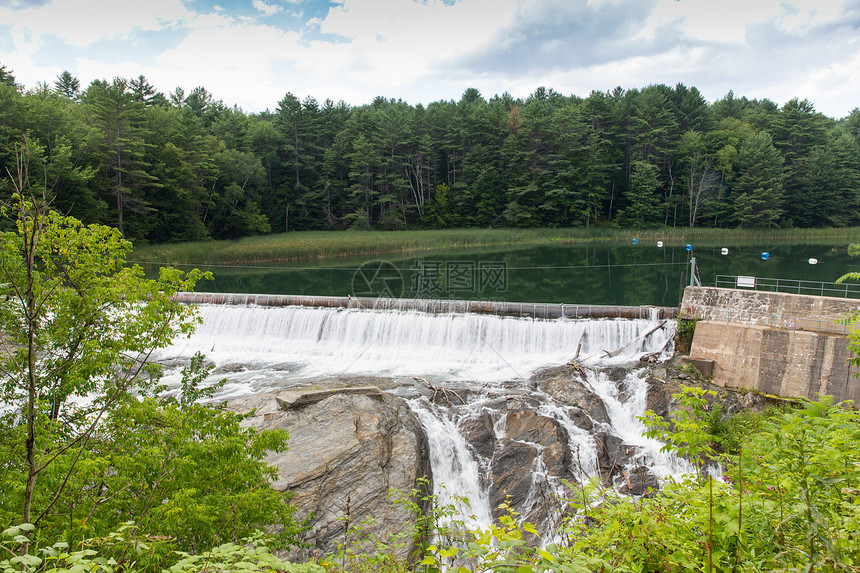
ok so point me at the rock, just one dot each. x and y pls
(346, 452)
(616, 373)
(291, 399)
(639, 481)
(533, 456)
(511, 469)
(528, 426)
(612, 456)
(564, 386)
(480, 434)
(231, 368)
(580, 418)
(656, 398)
(259, 404)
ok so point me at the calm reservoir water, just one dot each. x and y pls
(570, 274)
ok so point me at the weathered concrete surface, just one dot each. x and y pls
(779, 362)
(794, 311)
(795, 352)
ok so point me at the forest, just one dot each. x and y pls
(188, 167)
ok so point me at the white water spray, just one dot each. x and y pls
(268, 348)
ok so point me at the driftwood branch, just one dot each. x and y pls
(574, 361)
(577, 367)
(640, 340)
(652, 357)
(438, 389)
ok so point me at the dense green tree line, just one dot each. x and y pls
(182, 167)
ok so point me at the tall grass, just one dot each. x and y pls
(322, 245)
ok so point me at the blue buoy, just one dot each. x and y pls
(635, 241)
(689, 247)
(765, 256)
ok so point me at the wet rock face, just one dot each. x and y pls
(613, 456)
(533, 456)
(346, 453)
(480, 434)
(565, 385)
(511, 470)
(657, 399)
(528, 426)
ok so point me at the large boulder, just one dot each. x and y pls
(528, 426)
(564, 384)
(527, 466)
(512, 469)
(639, 481)
(347, 451)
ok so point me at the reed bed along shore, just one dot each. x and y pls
(328, 245)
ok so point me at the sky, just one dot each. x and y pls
(251, 53)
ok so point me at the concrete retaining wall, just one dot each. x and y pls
(762, 350)
(785, 363)
(780, 310)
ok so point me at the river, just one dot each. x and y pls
(609, 274)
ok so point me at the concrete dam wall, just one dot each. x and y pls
(782, 344)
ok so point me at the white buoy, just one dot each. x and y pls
(813, 261)
(724, 251)
(659, 243)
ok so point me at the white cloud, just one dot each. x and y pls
(396, 43)
(427, 50)
(266, 9)
(81, 23)
(234, 61)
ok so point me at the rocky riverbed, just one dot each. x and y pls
(354, 440)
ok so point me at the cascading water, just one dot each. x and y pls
(456, 472)
(327, 342)
(488, 363)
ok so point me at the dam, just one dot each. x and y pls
(506, 402)
(307, 337)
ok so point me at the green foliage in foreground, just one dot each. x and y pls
(789, 500)
(127, 550)
(87, 438)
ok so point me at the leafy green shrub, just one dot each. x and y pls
(684, 333)
(127, 550)
(162, 463)
(85, 442)
(788, 501)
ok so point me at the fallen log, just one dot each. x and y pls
(640, 340)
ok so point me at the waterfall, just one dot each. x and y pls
(491, 360)
(457, 474)
(342, 342)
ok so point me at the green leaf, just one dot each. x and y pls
(27, 560)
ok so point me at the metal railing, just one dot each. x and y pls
(790, 286)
